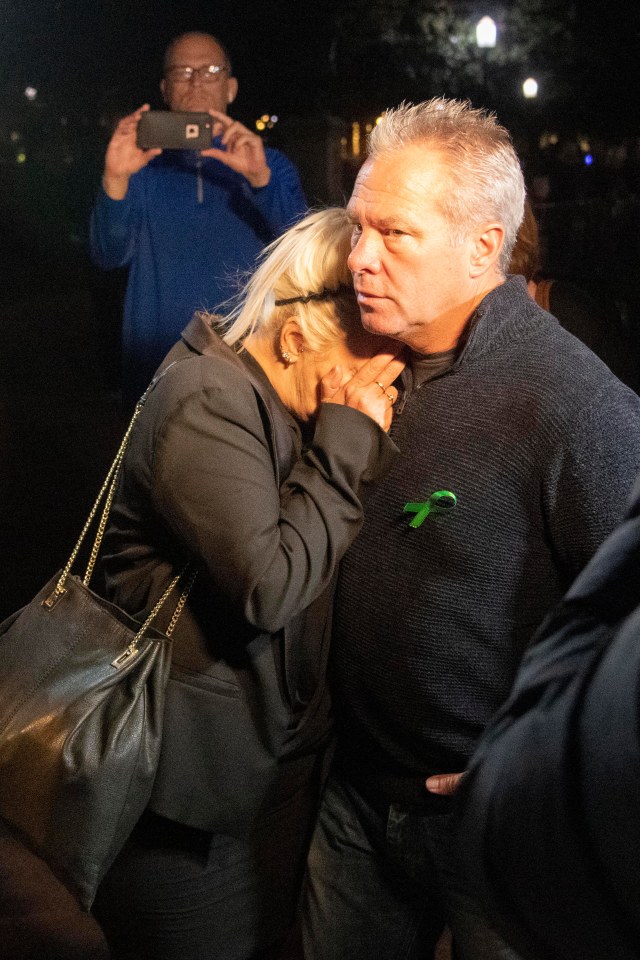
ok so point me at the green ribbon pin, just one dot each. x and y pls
(438, 502)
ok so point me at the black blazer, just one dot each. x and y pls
(215, 471)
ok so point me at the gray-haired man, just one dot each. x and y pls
(519, 448)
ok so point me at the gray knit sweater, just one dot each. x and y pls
(540, 444)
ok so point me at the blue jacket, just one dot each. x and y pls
(188, 229)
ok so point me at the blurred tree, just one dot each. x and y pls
(386, 51)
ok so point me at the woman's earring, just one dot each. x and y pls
(290, 358)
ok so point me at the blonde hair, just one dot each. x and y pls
(485, 180)
(308, 264)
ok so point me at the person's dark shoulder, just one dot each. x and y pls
(214, 383)
(552, 371)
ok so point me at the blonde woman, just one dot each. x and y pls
(247, 459)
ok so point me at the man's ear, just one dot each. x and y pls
(486, 249)
(232, 89)
(163, 91)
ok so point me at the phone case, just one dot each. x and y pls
(174, 131)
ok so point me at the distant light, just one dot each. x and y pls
(30, 93)
(274, 119)
(260, 124)
(14, 136)
(21, 157)
(588, 159)
(379, 119)
(547, 140)
(355, 138)
(585, 146)
(486, 33)
(265, 118)
(530, 88)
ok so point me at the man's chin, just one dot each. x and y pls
(380, 326)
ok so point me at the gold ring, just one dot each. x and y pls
(382, 387)
(391, 398)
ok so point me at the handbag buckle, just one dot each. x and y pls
(126, 656)
(50, 601)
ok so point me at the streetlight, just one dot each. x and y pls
(530, 88)
(486, 33)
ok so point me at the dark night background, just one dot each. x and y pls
(319, 66)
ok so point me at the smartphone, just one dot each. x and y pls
(174, 131)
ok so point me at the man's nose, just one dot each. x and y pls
(364, 255)
(198, 75)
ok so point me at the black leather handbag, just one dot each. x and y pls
(81, 705)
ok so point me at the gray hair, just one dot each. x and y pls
(485, 180)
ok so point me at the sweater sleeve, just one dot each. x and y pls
(592, 474)
(271, 552)
(282, 201)
(114, 229)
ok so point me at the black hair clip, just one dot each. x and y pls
(325, 294)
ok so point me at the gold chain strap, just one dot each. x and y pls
(97, 543)
(125, 657)
(183, 598)
(176, 613)
(110, 480)
(110, 483)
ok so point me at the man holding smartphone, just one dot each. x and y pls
(187, 223)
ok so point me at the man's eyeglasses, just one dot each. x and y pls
(209, 74)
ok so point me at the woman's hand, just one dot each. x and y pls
(369, 390)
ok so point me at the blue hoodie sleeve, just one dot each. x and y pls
(282, 201)
(114, 229)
